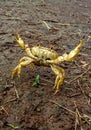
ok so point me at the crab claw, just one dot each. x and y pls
(20, 41)
(67, 57)
(71, 56)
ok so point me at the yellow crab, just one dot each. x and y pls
(45, 57)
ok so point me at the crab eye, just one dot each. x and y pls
(48, 59)
(35, 55)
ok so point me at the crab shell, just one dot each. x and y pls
(44, 53)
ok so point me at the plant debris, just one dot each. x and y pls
(11, 125)
(36, 82)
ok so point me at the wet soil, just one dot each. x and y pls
(57, 24)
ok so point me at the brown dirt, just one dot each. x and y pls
(70, 21)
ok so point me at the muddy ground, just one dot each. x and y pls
(37, 108)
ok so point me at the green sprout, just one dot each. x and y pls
(11, 125)
(36, 82)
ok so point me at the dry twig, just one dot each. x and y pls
(78, 118)
(3, 109)
(79, 76)
(81, 88)
(17, 95)
(14, 99)
(46, 80)
(48, 27)
(72, 112)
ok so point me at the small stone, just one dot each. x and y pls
(38, 109)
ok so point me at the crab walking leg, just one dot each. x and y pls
(60, 75)
(67, 57)
(24, 46)
(23, 62)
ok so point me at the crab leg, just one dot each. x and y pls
(67, 57)
(22, 62)
(60, 75)
(24, 46)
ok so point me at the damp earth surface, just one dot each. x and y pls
(56, 24)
